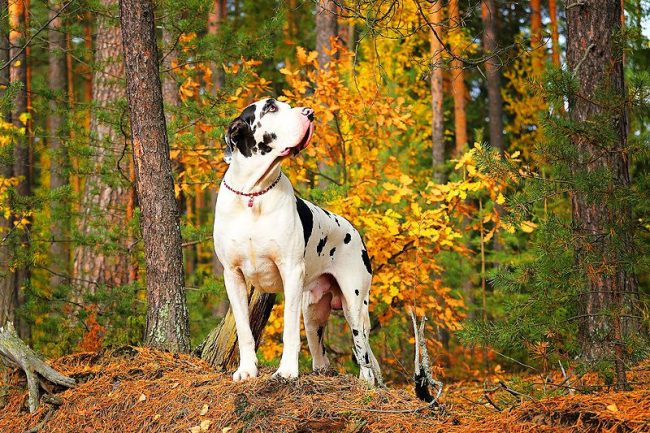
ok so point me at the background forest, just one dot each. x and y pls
(446, 132)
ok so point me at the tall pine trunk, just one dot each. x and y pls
(21, 165)
(536, 37)
(8, 300)
(59, 254)
(167, 318)
(457, 81)
(326, 28)
(105, 196)
(602, 221)
(437, 97)
(555, 33)
(495, 103)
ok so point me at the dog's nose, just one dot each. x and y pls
(309, 113)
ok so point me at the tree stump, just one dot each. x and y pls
(15, 353)
(220, 347)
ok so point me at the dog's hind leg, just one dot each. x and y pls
(356, 314)
(315, 316)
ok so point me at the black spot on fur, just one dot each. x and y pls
(365, 302)
(356, 292)
(319, 331)
(326, 212)
(337, 221)
(332, 252)
(347, 239)
(321, 245)
(366, 260)
(264, 145)
(355, 332)
(323, 349)
(367, 359)
(259, 124)
(306, 218)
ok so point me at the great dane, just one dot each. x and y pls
(268, 238)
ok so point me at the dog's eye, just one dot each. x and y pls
(272, 109)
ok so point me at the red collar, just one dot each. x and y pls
(252, 195)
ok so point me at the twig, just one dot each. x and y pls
(489, 400)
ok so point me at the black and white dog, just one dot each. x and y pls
(267, 237)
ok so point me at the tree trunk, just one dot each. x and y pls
(21, 169)
(15, 352)
(8, 300)
(326, 28)
(167, 319)
(220, 347)
(536, 42)
(215, 18)
(59, 254)
(603, 228)
(555, 34)
(104, 201)
(457, 82)
(495, 103)
(437, 97)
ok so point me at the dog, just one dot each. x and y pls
(267, 237)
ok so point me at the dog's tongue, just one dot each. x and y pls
(286, 151)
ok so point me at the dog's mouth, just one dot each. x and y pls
(302, 144)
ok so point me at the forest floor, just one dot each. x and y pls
(141, 390)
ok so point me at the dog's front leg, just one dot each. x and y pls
(292, 279)
(238, 296)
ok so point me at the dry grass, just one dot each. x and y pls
(142, 390)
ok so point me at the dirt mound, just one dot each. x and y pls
(141, 390)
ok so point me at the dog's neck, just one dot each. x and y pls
(248, 178)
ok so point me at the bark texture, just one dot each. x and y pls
(495, 103)
(104, 203)
(15, 352)
(59, 253)
(604, 231)
(437, 97)
(167, 324)
(21, 164)
(457, 82)
(8, 300)
(220, 347)
(326, 28)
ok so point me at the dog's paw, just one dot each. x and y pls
(245, 372)
(286, 373)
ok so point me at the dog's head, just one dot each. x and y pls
(269, 129)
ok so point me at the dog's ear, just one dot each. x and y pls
(237, 131)
(240, 136)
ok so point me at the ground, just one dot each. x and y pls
(141, 390)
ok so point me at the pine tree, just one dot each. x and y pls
(167, 324)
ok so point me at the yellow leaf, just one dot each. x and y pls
(501, 199)
(516, 154)
(205, 424)
(528, 226)
(142, 397)
(24, 117)
(612, 408)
